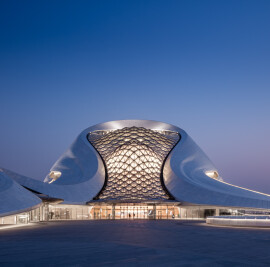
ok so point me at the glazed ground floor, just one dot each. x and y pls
(116, 211)
(128, 211)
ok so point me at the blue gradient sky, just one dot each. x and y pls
(201, 65)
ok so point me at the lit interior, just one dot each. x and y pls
(133, 158)
(212, 174)
(54, 175)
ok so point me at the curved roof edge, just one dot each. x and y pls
(186, 179)
(14, 198)
(83, 173)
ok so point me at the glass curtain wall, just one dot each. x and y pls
(22, 218)
(191, 213)
(112, 211)
(103, 211)
(69, 212)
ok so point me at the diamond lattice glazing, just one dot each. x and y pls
(133, 158)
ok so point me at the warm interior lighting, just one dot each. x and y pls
(212, 174)
(133, 158)
(54, 175)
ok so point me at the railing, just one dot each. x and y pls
(245, 221)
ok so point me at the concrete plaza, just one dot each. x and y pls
(133, 243)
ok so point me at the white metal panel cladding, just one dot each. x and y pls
(134, 157)
(185, 178)
(14, 198)
(184, 173)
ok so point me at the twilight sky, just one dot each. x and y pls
(201, 65)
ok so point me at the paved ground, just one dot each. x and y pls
(133, 243)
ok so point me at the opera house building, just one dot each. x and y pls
(129, 169)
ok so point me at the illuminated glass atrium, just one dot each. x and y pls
(134, 158)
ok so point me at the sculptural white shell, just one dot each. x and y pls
(79, 175)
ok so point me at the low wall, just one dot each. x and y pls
(244, 221)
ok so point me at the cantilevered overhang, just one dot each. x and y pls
(185, 177)
(14, 198)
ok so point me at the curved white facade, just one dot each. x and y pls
(185, 178)
(15, 198)
(79, 175)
